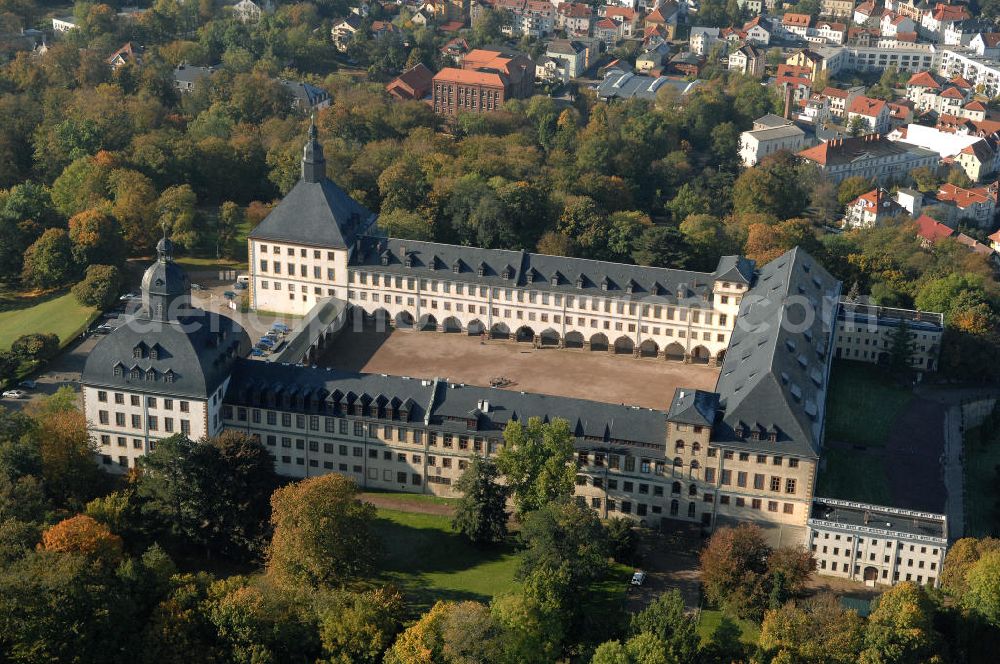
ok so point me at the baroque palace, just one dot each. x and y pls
(747, 451)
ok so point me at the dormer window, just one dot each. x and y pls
(604, 284)
(135, 373)
(151, 374)
(118, 370)
(456, 267)
(507, 272)
(168, 376)
(409, 261)
(579, 282)
(530, 277)
(629, 287)
(481, 270)
(385, 259)
(154, 353)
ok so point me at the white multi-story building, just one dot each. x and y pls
(877, 545)
(871, 209)
(759, 143)
(702, 40)
(318, 243)
(982, 72)
(164, 371)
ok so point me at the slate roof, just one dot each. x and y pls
(440, 403)
(508, 269)
(626, 85)
(315, 214)
(695, 407)
(307, 95)
(773, 382)
(190, 74)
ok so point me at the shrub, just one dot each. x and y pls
(99, 287)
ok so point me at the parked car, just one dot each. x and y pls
(638, 578)
(257, 352)
(239, 285)
(104, 329)
(196, 287)
(27, 384)
(280, 327)
(13, 394)
(266, 343)
(128, 296)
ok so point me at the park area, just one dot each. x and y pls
(581, 374)
(982, 458)
(883, 444)
(58, 314)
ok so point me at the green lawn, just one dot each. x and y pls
(430, 562)
(710, 619)
(413, 498)
(982, 456)
(195, 264)
(854, 475)
(59, 314)
(862, 404)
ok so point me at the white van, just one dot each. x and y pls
(243, 279)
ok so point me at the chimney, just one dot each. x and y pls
(788, 101)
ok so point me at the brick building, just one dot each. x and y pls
(485, 81)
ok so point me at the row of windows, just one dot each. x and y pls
(848, 551)
(151, 402)
(317, 271)
(874, 542)
(845, 567)
(152, 422)
(344, 450)
(290, 251)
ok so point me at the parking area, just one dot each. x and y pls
(647, 382)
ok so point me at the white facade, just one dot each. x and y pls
(63, 24)
(877, 545)
(291, 279)
(982, 72)
(760, 143)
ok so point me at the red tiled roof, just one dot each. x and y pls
(797, 20)
(866, 106)
(980, 150)
(960, 82)
(606, 24)
(952, 93)
(943, 12)
(931, 229)
(964, 198)
(468, 76)
(991, 39)
(830, 91)
(975, 105)
(973, 244)
(625, 13)
(909, 37)
(452, 26)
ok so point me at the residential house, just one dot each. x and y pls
(420, 18)
(935, 22)
(757, 144)
(607, 31)
(986, 44)
(574, 18)
(978, 160)
(900, 113)
(977, 205)
(841, 100)
(910, 200)
(807, 58)
(837, 8)
(826, 32)
(129, 52)
(63, 24)
(931, 231)
(872, 209)
(893, 24)
(981, 71)
(686, 63)
(702, 40)
(485, 81)
(664, 17)
(454, 49)
(652, 59)
(796, 25)
(758, 31)
(414, 83)
(383, 29)
(306, 97)
(628, 20)
(874, 113)
(872, 157)
(934, 93)
(343, 31)
(865, 12)
(186, 76)
(551, 70)
(573, 53)
(960, 33)
(794, 78)
(748, 60)
(816, 110)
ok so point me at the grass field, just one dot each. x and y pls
(429, 562)
(710, 619)
(193, 264)
(413, 498)
(982, 456)
(846, 478)
(863, 402)
(59, 314)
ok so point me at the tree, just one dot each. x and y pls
(481, 513)
(213, 494)
(858, 125)
(100, 286)
(901, 347)
(734, 569)
(900, 628)
(81, 534)
(661, 246)
(982, 595)
(449, 633)
(961, 557)
(357, 628)
(666, 619)
(48, 263)
(852, 187)
(535, 461)
(564, 538)
(96, 238)
(231, 219)
(35, 347)
(815, 631)
(622, 538)
(322, 532)
(176, 210)
(775, 186)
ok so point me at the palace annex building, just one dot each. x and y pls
(747, 451)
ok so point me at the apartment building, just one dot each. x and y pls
(485, 81)
(932, 92)
(872, 157)
(877, 545)
(757, 144)
(864, 334)
(980, 71)
(871, 209)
